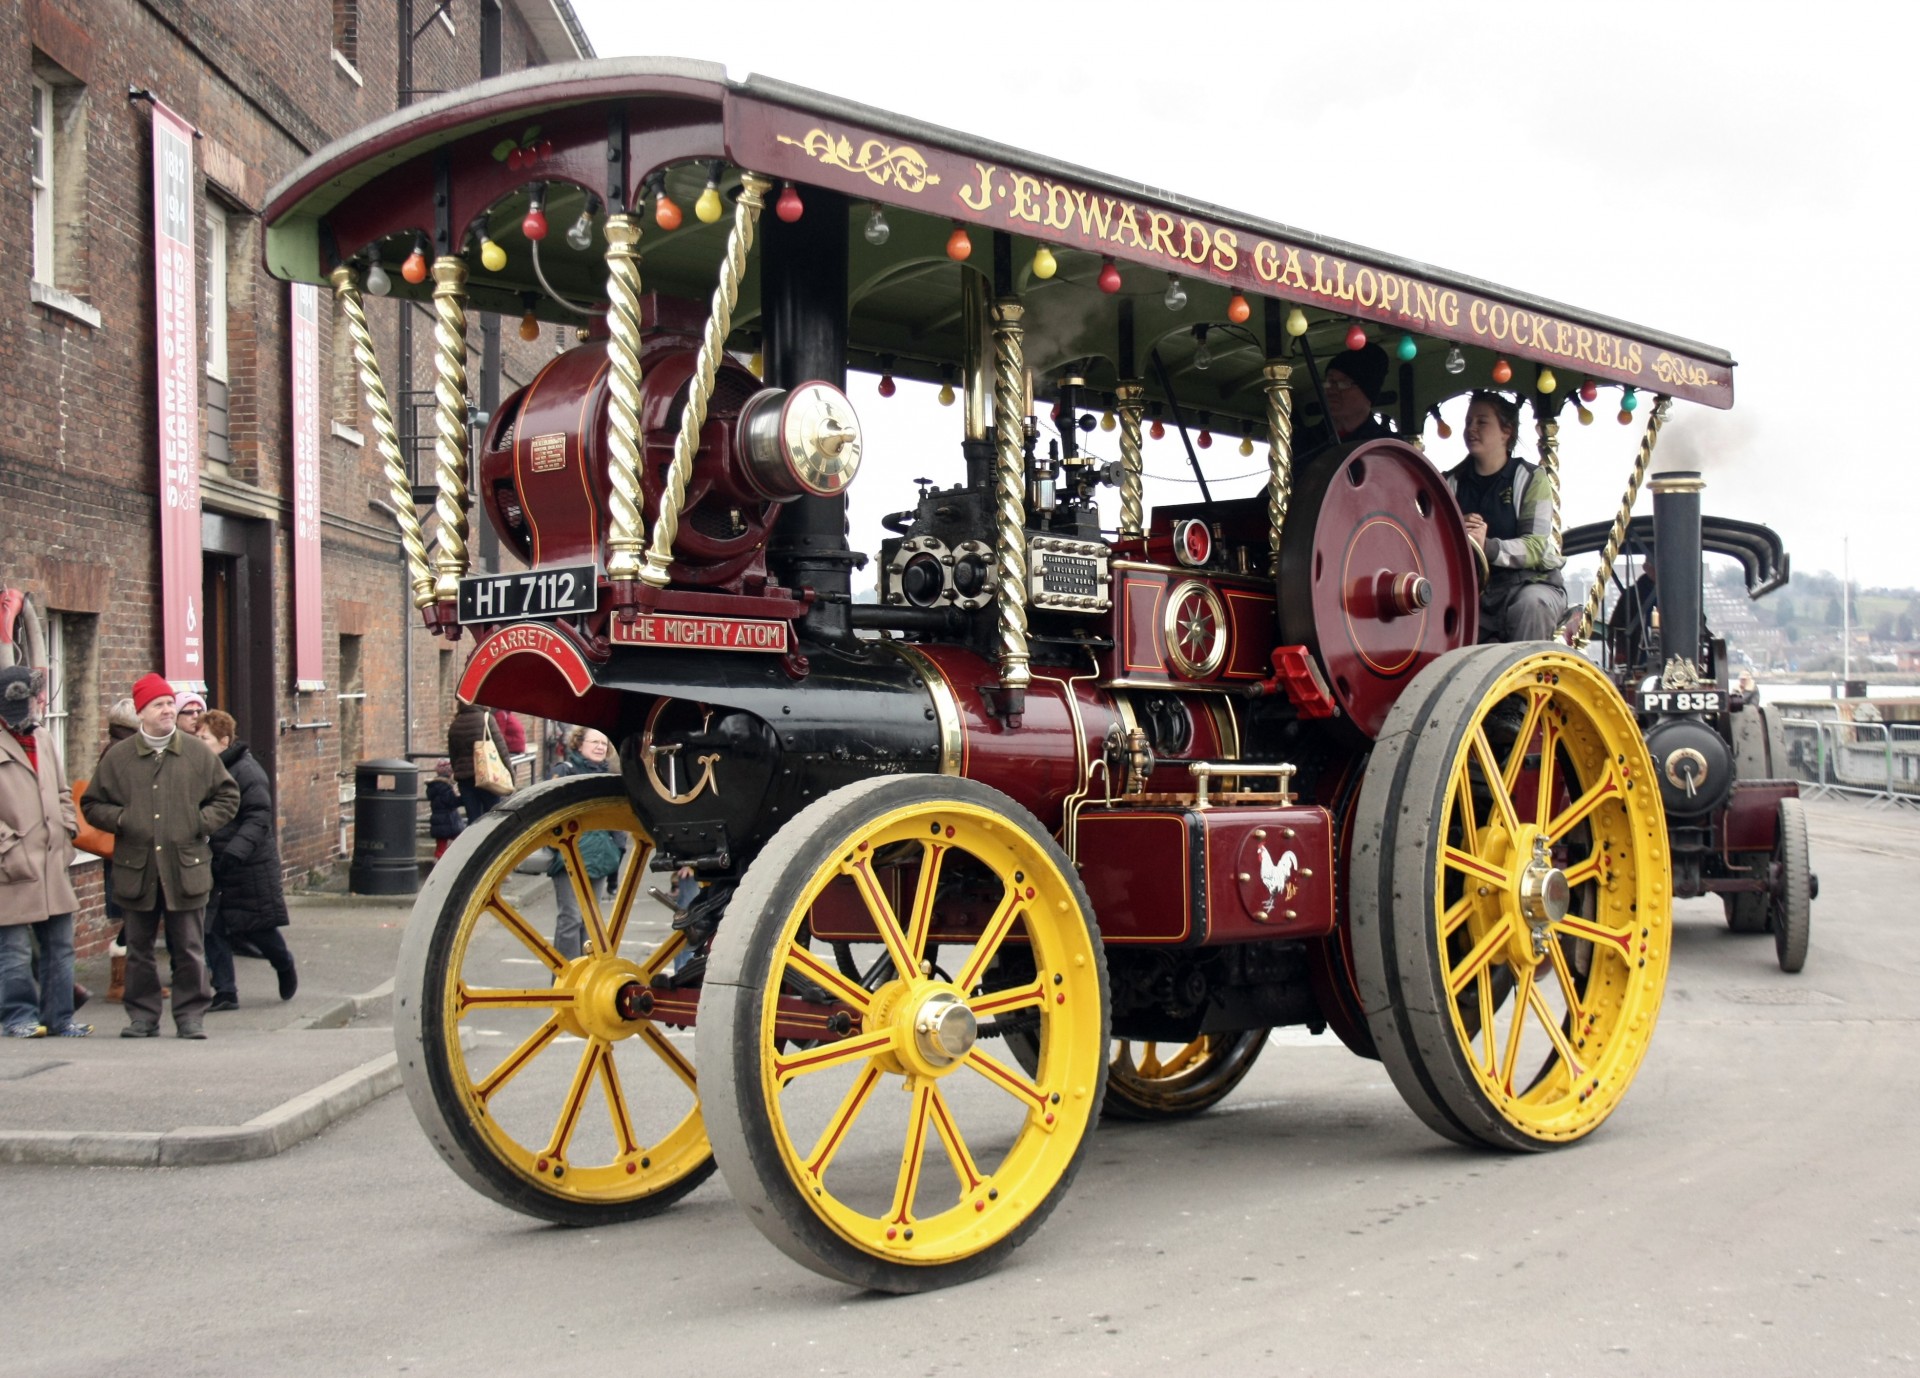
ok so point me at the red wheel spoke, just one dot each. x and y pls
(958, 1154)
(516, 1061)
(1583, 871)
(932, 855)
(913, 1155)
(833, 1054)
(1607, 787)
(1576, 1011)
(906, 960)
(1474, 866)
(515, 923)
(670, 1055)
(617, 1105)
(1456, 915)
(1483, 952)
(1000, 1001)
(1621, 938)
(1536, 702)
(1495, 778)
(626, 894)
(1522, 993)
(1007, 1079)
(844, 1116)
(569, 1120)
(1538, 1004)
(1463, 815)
(1549, 748)
(991, 937)
(811, 967)
(662, 955)
(501, 998)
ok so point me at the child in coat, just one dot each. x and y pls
(443, 799)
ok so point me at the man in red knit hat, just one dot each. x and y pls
(162, 794)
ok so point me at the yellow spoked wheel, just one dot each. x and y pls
(1169, 1081)
(979, 927)
(1511, 896)
(560, 1088)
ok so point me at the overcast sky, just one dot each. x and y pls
(1741, 175)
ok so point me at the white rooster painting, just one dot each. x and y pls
(1277, 876)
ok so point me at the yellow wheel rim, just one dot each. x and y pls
(578, 1100)
(974, 1145)
(1552, 1010)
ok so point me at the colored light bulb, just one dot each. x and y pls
(1546, 381)
(1589, 390)
(580, 233)
(1205, 441)
(1176, 295)
(1408, 349)
(378, 282)
(959, 245)
(946, 394)
(1107, 421)
(1158, 430)
(1456, 361)
(1502, 371)
(1629, 399)
(666, 212)
(492, 257)
(1356, 337)
(1586, 417)
(535, 225)
(1237, 309)
(757, 364)
(1296, 322)
(1246, 446)
(1110, 278)
(1045, 265)
(414, 270)
(887, 386)
(877, 228)
(1445, 431)
(789, 207)
(708, 208)
(1625, 417)
(529, 326)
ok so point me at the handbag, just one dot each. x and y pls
(89, 838)
(490, 773)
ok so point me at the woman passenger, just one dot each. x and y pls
(1507, 503)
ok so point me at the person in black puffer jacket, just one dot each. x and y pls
(248, 903)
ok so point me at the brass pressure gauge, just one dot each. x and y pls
(799, 443)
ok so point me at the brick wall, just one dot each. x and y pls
(78, 453)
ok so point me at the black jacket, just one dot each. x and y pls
(443, 802)
(246, 854)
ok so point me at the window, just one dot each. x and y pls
(346, 30)
(219, 402)
(42, 179)
(72, 690)
(353, 697)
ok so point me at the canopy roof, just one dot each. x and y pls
(596, 133)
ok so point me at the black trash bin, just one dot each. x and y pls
(386, 809)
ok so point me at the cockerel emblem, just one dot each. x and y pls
(1277, 876)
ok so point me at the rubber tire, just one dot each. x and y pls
(1791, 911)
(739, 1126)
(1747, 909)
(1178, 1097)
(417, 1012)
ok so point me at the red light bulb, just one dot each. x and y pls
(1205, 441)
(1237, 309)
(535, 225)
(959, 245)
(1110, 278)
(1502, 371)
(666, 214)
(1589, 390)
(1446, 431)
(788, 207)
(1356, 338)
(1157, 430)
(887, 387)
(414, 270)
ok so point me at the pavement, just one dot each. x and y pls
(269, 1074)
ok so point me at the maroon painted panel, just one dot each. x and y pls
(1139, 654)
(875, 164)
(1269, 873)
(1752, 819)
(1138, 866)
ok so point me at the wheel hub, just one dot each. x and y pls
(944, 1029)
(1543, 892)
(608, 996)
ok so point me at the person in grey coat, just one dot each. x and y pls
(37, 825)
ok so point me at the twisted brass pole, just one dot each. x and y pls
(713, 343)
(1549, 431)
(1279, 450)
(346, 290)
(1010, 498)
(625, 536)
(450, 425)
(1597, 595)
(1130, 401)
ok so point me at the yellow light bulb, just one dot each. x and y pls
(1044, 263)
(946, 394)
(758, 364)
(708, 208)
(1246, 446)
(1547, 382)
(1296, 322)
(1586, 417)
(492, 257)
(1107, 422)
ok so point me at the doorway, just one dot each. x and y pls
(236, 585)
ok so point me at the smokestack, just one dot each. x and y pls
(1677, 573)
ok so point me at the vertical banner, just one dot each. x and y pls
(309, 674)
(177, 381)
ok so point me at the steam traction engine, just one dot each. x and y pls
(1063, 822)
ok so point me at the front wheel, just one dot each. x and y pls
(1511, 896)
(967, 919)
(1790, 908)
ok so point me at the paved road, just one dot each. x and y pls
(1751, 1209)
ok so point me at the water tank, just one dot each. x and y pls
(386, 807)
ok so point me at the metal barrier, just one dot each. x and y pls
(1876, 761)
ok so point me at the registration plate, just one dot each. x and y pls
(559, 592)
(1680, 701)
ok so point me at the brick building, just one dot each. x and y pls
(263, 86)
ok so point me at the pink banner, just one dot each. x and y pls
(309, 672)
(177, 382)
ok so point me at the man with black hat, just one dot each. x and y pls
(37, 825)
(162, 794)
(1354, 382)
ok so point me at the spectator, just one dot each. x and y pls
(162, 794)
(600, 852)
(513, 730)
(122, 723)
(248, 901)
(37, 824)
(189, 710)
(443, 803)
(463, 735)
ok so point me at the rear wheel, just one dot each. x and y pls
(540, 1080)
(982, 923)
(1790, 909)
(1169, 1081)
(1511, 896)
